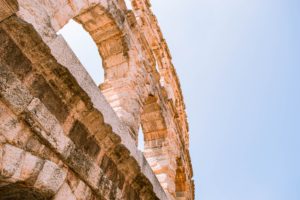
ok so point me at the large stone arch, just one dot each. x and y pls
(109, 26)
(63, 101)
(169, 82)
(103, 20)
(25, 176)
(119, 87)
(34, 88)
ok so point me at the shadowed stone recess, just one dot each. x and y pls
(20, 192)
(82, 139)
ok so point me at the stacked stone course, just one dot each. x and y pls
(63, 137)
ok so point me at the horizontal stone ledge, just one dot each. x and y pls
(99, 102)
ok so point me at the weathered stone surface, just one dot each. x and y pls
(20, 192)
(10, 160)
(47, 127)
(65, 193)
(83, 140)
(50, 178)
(7, 8)
(42, 90)
(32, 173)
(63, 138)
(13, 91)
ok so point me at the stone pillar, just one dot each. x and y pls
(122, 97)
(157, 148)
(162, 163)
(122, 82)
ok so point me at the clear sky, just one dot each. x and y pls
(239, 66)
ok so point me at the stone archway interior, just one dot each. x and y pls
(20, 192)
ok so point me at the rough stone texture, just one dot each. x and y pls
(61, 136)
(8, 8)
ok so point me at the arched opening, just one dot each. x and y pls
(84, 47)
(152, 120)
(153, 124)
(20, 192)
(114, 48)
(109, 39)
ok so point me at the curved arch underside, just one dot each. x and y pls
(20, 192)
(51, 112)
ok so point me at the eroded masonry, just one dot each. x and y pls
(61, 136)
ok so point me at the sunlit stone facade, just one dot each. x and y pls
(63, 137)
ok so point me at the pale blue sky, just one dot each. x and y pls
(239, 66)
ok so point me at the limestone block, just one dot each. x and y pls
(51, 6)
(49, 129)
(64, 14)
(64, 193)
(10, 160)
(105, 187)
(31, 166)
(82, 191)
(9, 126)
(13, 91)
(120, 63)
(50, 178)
(78, 5)
(7, 8)
(84, 166)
